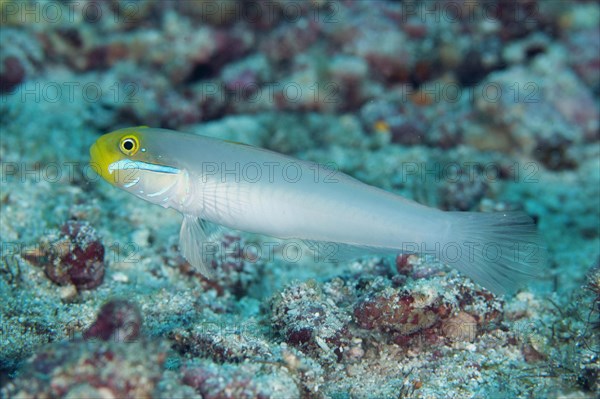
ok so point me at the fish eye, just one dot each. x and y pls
(129, 145)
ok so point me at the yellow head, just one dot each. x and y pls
(109, 149)
(137, 159)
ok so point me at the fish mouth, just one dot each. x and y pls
(99, 161)
(94, 153)
(94, 157)
(127, 164)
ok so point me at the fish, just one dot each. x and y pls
(214, 182)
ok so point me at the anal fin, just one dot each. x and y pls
(335, 252)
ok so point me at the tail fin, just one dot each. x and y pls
(500, 250)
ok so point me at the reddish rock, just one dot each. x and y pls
(77, 258)
(399, 313)
(11, 74)
(118, 320)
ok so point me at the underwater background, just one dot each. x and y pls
(462, 105)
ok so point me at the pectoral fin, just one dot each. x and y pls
(195, 246)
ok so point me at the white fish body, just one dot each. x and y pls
(257, 190)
